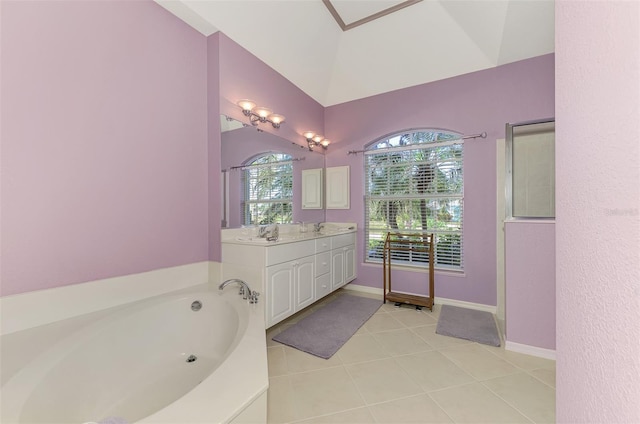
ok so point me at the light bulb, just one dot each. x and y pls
(262, 112)
(246, 104)
(276, 119)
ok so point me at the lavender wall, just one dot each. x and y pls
(469, 104)
(530, 269)
(244, 143)
(598, 211)
(244, 76)
(104, 142)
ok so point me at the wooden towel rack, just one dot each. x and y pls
(406, 244)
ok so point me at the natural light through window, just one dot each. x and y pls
(268, 189)
(414, 184)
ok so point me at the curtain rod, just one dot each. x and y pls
(466, 137)
(261, 165)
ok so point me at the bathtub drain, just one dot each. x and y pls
(192, 358)
(196, 306)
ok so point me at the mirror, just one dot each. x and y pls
(242, 142)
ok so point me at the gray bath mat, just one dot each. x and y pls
(325, 331)
(468, 324)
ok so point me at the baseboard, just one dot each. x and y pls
(463, 304)
(530, 350)
(437, 300)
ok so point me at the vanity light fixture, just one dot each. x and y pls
(314, 140)
(259, 114)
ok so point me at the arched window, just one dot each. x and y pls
(414, 184)
(268, 189)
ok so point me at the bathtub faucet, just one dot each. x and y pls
(245, 291)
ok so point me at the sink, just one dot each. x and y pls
(253, 239)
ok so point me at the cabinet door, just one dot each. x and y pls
(280, 292)
(337, 187)
(349, 263)
(305, 276)
(312, 188)
(337, 269)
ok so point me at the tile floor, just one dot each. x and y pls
(396, 369)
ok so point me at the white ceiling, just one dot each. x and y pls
(424, 42)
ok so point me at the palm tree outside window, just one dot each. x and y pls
(268, 189)
(414, 185)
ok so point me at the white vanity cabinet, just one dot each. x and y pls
(290, 287)
(292, 274)
(343, 260)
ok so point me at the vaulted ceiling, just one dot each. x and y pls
(425, 41)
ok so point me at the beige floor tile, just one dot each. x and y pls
(280, 401)
(415, 409)
(412, 318)
(436, 310)
(547, 376)
(382, 380)
(478, 362)
(474, 403)
(381, 311)
(299, 361)
(274, 331)
(401, 342)
(433, 371)
(361, 330)
(520, 360)
(429, 378)
(323, 392)
(389, 307)
(527, 394)
(382, 322)
(354, 416)
(361, 347)
(428, 334)
(276, 361)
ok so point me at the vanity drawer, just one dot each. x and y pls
(289, 251)
(343, 240)
(323, 244)
(323, 286)
(323, 263)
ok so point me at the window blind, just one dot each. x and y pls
(416, 187)
(268, 190)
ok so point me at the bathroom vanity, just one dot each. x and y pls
(296, 270)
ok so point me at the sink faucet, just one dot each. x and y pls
(269, 232)
(275, 233)
(245, 291)
(318, 227)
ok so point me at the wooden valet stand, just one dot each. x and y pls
(407, 244)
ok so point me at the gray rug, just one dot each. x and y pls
(468, 324)
(325, 331)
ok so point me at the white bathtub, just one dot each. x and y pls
(131, 363)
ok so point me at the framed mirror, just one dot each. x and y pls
(245, 150)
